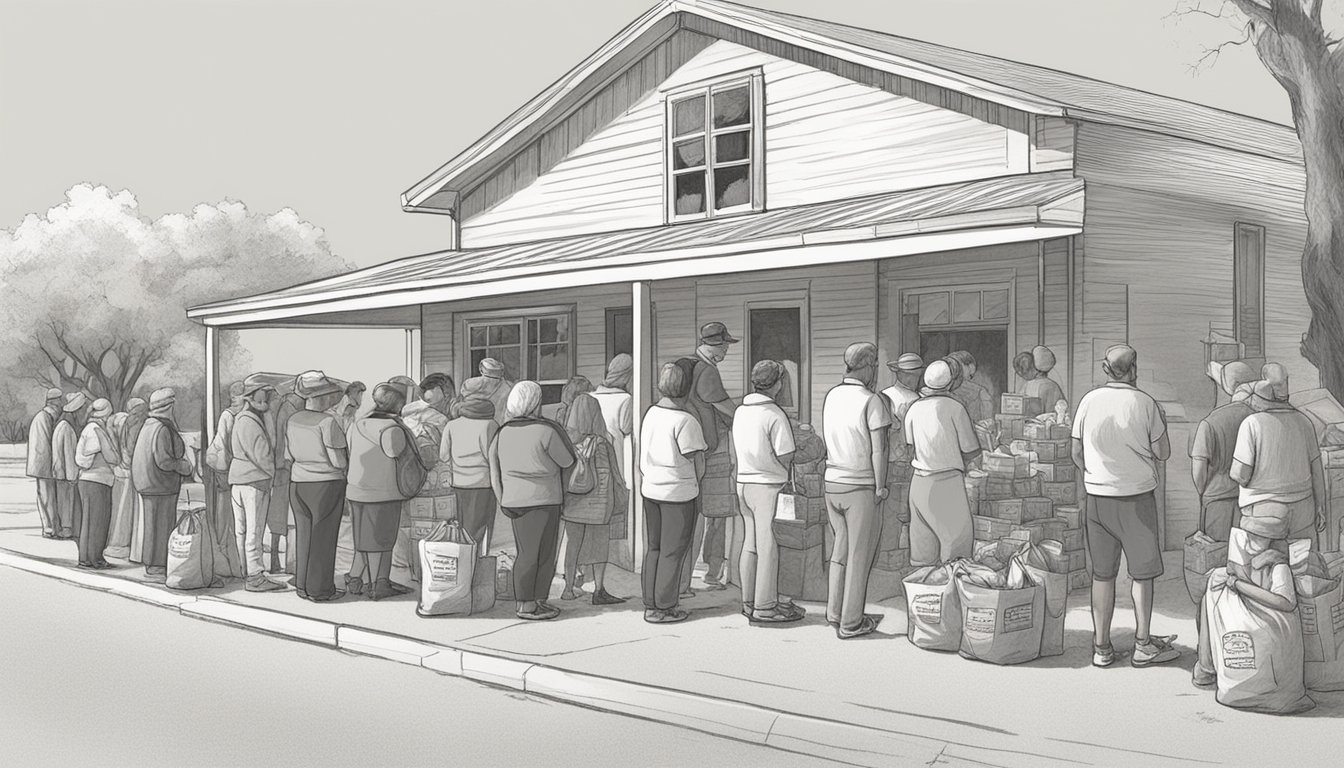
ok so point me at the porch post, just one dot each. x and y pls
(211, 382)
(413, 354)
(642, 390)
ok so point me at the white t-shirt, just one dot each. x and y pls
(940, 430)
(1118, 425)
(851, 413)
(899, 400)
(1279, 446)
(616, 405)
(665, 438)
(761, 434)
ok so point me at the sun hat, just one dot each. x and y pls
(310, 384)
(906, 362)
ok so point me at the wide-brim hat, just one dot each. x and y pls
(252, 385)
(74, 401)
(907, 362)
(310, 384)
(161, 398)
(54, 394)
(716, 333)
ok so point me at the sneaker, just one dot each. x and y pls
(667, 617)
(263, 584)
(1205, 680)
(688, 594)
(779, 615)
(1158, 650)
(1103, 655)
(866, 627)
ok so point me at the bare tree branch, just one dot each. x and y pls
(1187, 8)
(1257, 12)
(1211, 54)
(1314, 12)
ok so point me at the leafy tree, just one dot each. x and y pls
(93, 294)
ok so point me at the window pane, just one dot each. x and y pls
(933, 309)
(732, 146)
(966, 307)
(911, 305)
(732, 186)
(512, 359)
(477, 355)
(996, 305)
(504, 334)
(732, 107)
(553, 362)
(688, 154)
(550, 393)
(478, 335)
(690, 193)
(688, 116)
(560, 327)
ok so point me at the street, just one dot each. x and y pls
(92, 679)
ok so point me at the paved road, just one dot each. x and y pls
(89, 679)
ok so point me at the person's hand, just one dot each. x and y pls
(881, 495)
(1320, 519)
(1232, 583)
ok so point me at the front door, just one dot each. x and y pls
(975, 318)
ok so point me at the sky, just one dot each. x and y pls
(335, 107)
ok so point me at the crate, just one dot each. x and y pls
(1071, 514)
(1000, 465)
(1057, 471)
(1037, 508)
(1011, 427)
(1052, 529)
(1014, 404)
(997, 488)
(987, 528)
(1050, 451)
(1061, 493)
(798, 534)
(1032, 532)
(1011, 510)
(1027, 486)
(1072, 538)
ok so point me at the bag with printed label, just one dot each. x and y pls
(1256, 652)
(1035, 561)
(447, 567)
(932, 608)
(191, 552)
(1001, 624)
(1320, 605)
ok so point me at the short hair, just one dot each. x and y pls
(673, 381)
(1120, 360)
(388, 398)
(1024, 364)
(575, 387)
(860, 355)
(766, 374)
(355, 386)
(956, 369)
(437, 381)
(966, 359)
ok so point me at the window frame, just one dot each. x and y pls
(1238, 228)
(802, 387)
(754, 80)
(522, 316)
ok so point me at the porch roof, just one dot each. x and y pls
(971, 214)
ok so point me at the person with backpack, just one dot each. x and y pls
(157, 468)
(251, 475)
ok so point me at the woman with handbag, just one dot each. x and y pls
(588, 509)
(527, 460)
(385, 470)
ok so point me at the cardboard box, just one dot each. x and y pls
(1001, 465)
(1078, 579)
(1061, 493)
(1003, 509)
(1014, 404)
(1053, 450)
(418, 508)
(892, 526)
(974, 490)
(900, 471)
(798, 534)
(990, 528)
(1033, 532)
(802, 573)
(1011, 427)
(893, 560)
(1027, 486)
(997, 488)
(811, 486)
(1057, 472)
(1037, 508)
(815, 512)
(1071, 514)
(445, 507)
(982, 549)
(1072, 538)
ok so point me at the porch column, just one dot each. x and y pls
(413, 354)
(641, 389)
(211, 382)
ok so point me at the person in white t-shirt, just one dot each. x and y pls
(855, 420)
(1277, 463)
(672, 460)
(763, 442)
(908, 370)
(940, 432)
(1119, 436)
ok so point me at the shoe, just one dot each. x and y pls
(779, 615)
(263, 584)
(1158, 650)
(866, 627)
(327, 598)
(1203, 680)
(541, 613)
(667, 617)
(48, 535)
(573, 594)
(354, 586)
(1103, 655)
(712, 581)
(687, 594)
(603, 597)
(747, 609)
(578, 579)
(714, 586)
(103, 565)
(382, 589)
(85, 566)
(156, 570)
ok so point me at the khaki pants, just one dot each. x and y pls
(249, 519)
(1301, 516)
(760, 552)
(857, 526)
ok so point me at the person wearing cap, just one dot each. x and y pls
(855, 421)
(409, 391)
(96, 454)
(1041, 386)
(709, 402)
(278, 514)
(495, 384)
(942, 437)
(39, 462)
(251, 479)
(464, 450)
(1119, 436)
(317, 452)
(764, 447)
(527, 460)
(1277, 462)
(1211, 455)
(969, 392)
(158, 464)
(346, 410)
(908, 370)
(671, 462)
(125, 429)
(64, 441)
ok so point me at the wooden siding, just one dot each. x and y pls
(1054, 330)
(827, 137)
(1051, 144)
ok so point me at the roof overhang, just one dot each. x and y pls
(440, 191)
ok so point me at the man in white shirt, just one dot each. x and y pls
(1119, 435)
(1277, 463)
(763, 442)
(672, 460)
(908, 370)
(855, 421)
(940, 432)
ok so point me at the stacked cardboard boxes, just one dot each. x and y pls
(802, 556)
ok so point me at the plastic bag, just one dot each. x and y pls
(932, 608)
(447, 567)
(191, 553)
(582, 476)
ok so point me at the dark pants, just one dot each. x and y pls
(67, 507)
(669, 529)
(536, 530)
(317, 524)
(715, 548)
(95, 519)
(160, 519)
(476, 513)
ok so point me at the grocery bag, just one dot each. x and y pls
(1202, 555)
(1320, 606)
(1036, 562)
(483, 584)
(790, 504)
(1001, 624)
(1256, 652)
(447, 565)
(932, 609)
(191, 552)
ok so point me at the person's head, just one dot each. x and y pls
(1121, 364)
(1234, 374)
(317, 391)
(861, 362)
(524, 400)
(407, 386)
(354, 393)
(958, 373)
(673, 383)
(1276, 375)
(161, 403)
(1042, 358)
(715, 340)
(74, 407)
(436, 388)
(55, 398)
(257, 395)
(967, 361)
(137, 408)
(767, 378)
(909, 369)
(100, 409)
(938, 378)
(620, 371)
(388, 399)
(1267, 395)
(1025, 366)
(573, 388)
(493, 368)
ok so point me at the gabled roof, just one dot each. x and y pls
(1033, 89)
(1006, 209)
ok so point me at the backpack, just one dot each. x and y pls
(411, 470)
(219, 454)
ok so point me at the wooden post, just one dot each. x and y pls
(641, 389)
(211, 383)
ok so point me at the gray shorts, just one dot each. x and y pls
(1127, 524)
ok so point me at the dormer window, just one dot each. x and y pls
(714, 146)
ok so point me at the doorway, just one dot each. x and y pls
(989, 347)
(977, 318)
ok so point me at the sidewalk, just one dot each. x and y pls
(873, 701)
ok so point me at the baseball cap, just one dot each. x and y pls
(716, 333)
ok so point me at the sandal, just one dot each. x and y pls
(603, 597)
(354, 586)
(776, 615)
